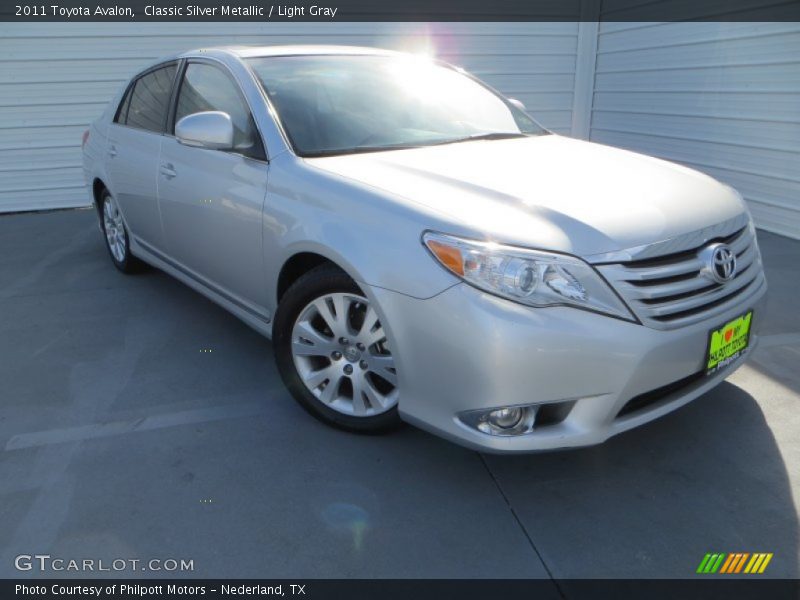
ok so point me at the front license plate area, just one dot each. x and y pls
(728, 343)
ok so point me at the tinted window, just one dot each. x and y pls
(206, 87)
(150, 99)
(122, 111)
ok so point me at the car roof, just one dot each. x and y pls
(288, 50)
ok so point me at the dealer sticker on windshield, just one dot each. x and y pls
(728, 343)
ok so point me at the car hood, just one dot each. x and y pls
(548, 192)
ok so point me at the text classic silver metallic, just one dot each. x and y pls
(420, 249)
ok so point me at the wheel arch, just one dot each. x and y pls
(98, 187)
(297, 265)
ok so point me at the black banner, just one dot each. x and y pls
(402, 10)
(397, 589)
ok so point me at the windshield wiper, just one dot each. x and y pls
(359, 150)
(494, 135)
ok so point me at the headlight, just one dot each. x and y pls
(529, 277)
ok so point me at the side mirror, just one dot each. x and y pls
(210, 129)
(517, 103)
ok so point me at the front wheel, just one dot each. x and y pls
(333, 353)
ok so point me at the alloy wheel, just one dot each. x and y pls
(342, 355)
(114, 229)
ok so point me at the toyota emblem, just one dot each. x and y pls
(719, 262)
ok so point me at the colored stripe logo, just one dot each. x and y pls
(735, 562)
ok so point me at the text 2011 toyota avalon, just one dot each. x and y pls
(419, 248)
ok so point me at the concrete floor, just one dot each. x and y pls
(119, 438)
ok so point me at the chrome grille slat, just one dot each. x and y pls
(672, 290)
(741, 241)
(684, 320)
(708, 297)
(662, 290)
(675, 288)
(746, 258)
(663, 272)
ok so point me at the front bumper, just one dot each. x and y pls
(466, 350)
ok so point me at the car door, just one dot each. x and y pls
(211, 200)
(133, 146)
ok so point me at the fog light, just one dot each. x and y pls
(506, 418)
(505, 421)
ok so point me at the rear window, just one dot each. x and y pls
(147, 102)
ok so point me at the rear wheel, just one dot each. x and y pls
(333, 353)
(116, 235)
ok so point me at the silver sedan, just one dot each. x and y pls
(419, 248)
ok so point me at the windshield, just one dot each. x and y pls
(338, 104)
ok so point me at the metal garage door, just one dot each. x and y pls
(56, 78)
(720, 97)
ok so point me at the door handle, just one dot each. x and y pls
(112, 151)
(168, 171)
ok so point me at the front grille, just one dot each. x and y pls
(670, 291)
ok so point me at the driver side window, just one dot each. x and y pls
(205, 87)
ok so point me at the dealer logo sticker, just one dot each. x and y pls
(728, 343)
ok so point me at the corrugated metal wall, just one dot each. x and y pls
(720, 97)
(57, 77)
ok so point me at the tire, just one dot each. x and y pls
(116, 236)
(348, 383)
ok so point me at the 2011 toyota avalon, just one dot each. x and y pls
(420, 249)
